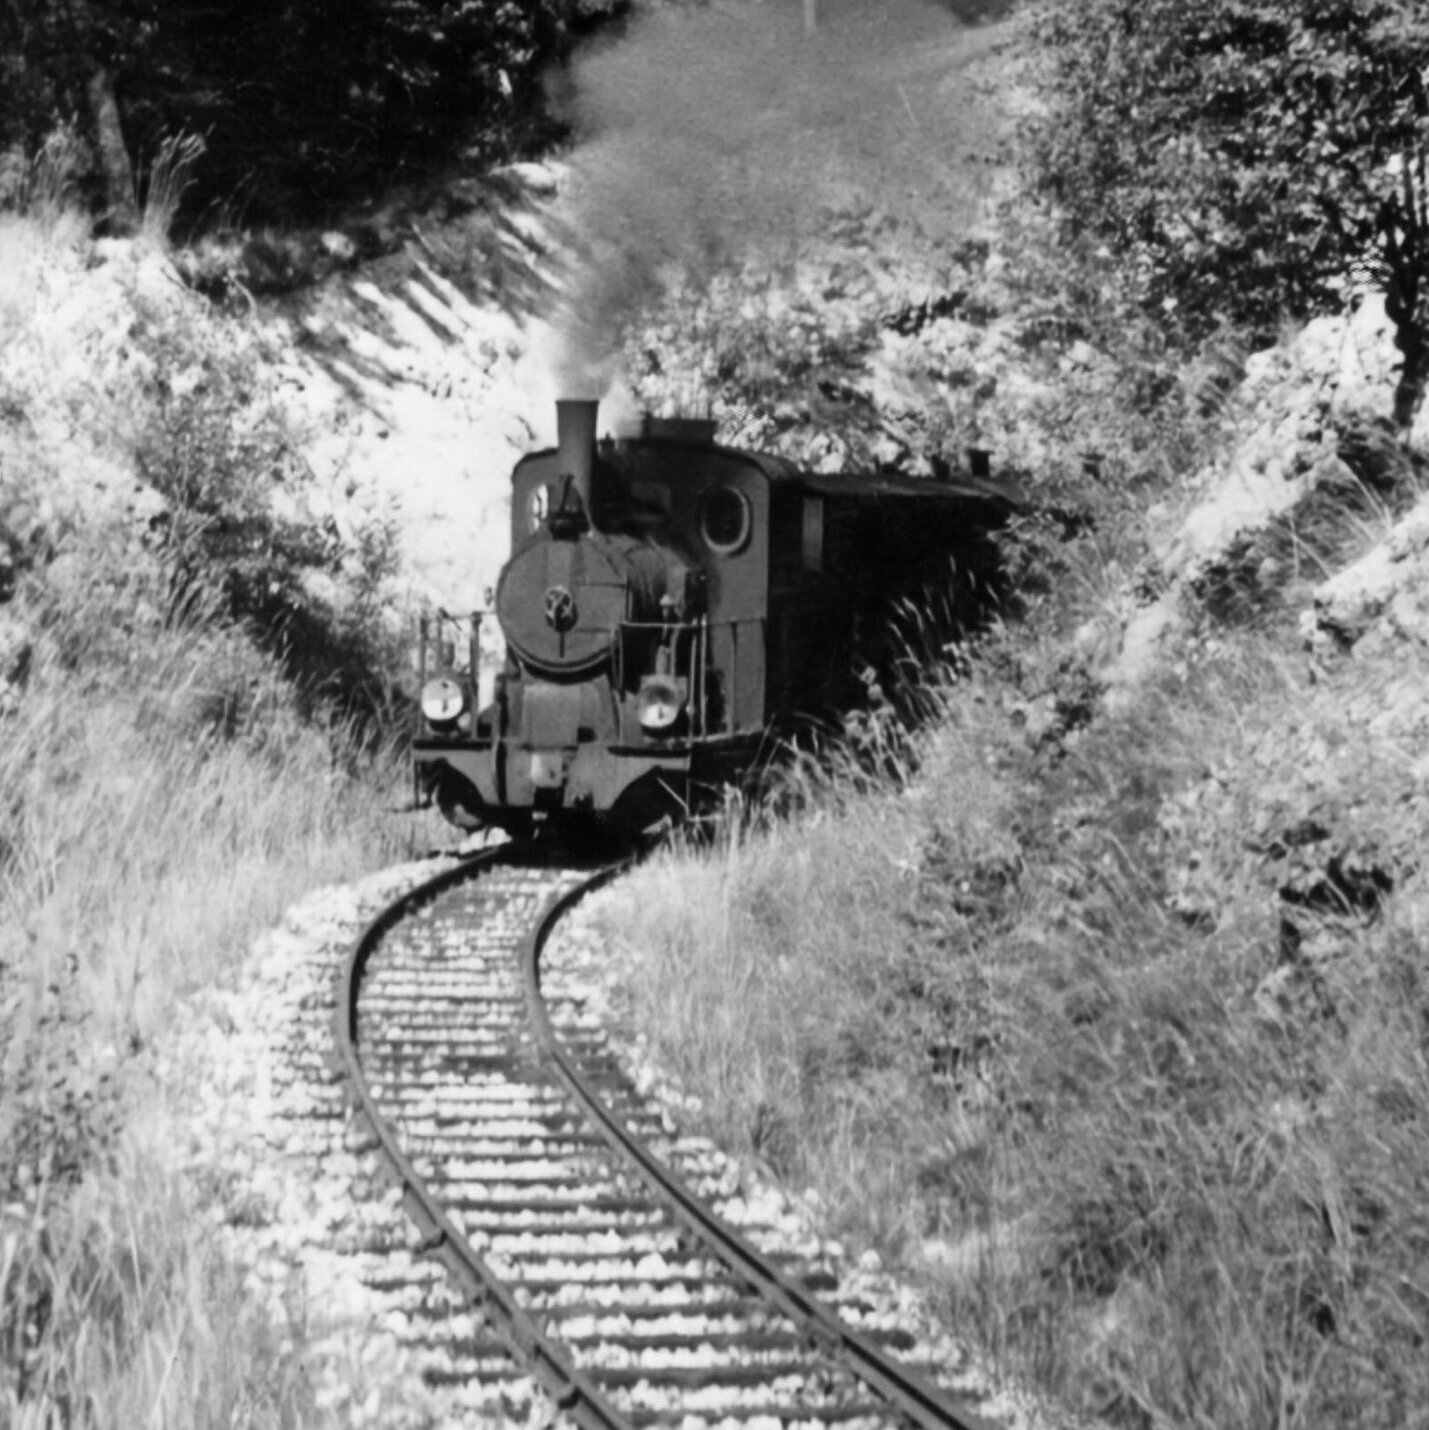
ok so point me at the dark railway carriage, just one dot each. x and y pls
(668, 603)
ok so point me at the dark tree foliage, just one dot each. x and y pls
(1242, 154)
(300, 102)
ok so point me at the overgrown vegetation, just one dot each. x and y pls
(1146, 1114)
(190, 693)
(120, 1312)
(215, 451)
(299, 106)
(1109, 1023)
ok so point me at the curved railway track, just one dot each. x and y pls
(568, 1215)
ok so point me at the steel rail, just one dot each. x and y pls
(924, 1404)
(569, 1389)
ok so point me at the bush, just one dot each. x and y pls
(216, 449)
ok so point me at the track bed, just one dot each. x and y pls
(584, 1230)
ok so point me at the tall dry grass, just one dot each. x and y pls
(165, 796)
(1164, 1164)
(163, 802)
(165, 791)
(119, 1315)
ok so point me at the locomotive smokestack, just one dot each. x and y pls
(575, 441)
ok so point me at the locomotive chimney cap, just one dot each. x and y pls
(575, 441)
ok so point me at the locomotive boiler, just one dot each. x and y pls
(667, 605)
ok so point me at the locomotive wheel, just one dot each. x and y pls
(456, 805)
(460, 806)
(649, 809)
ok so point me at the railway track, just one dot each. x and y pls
(572, 1220)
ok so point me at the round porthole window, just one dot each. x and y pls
(538, 507)
(725, 520)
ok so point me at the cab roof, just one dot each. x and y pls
(957, 487)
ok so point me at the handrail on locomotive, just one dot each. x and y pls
(432, 637)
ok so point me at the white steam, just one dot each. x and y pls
(717, 134)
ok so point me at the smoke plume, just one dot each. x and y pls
(714, 134)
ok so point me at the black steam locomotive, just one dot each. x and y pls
(668, 603)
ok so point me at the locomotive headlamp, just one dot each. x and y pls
(659, 704)
(443, 700)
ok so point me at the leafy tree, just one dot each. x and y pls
(1244, 154)
(55, 71)
(300, 103)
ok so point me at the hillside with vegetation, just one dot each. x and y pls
(1106, 1016)
(1115, 1042)
(1097, 1003)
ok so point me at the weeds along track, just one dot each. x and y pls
(566, 1212)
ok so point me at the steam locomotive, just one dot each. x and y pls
(668, 604)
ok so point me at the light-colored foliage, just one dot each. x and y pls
(166, 790)
(1035, 1026)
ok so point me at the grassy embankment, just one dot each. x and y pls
(1145, 1148)
(169, 787)
(1109, 1025)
